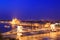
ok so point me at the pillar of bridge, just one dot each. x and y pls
(19, 32)
(53, 27)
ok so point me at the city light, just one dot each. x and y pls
(20, 28)
(19, 32)
(53, 27)
(15, 21)
(36, 24)
(47, 25)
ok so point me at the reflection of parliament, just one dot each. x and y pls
(21, 27)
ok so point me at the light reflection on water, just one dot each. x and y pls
(48, 36)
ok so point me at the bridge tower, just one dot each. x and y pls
(16, 22)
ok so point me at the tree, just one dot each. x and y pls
(1, 37)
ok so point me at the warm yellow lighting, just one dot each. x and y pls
(47, 25)
(52, 27)
(19, 29)
(36, 24)
(15, 21)
(19, 32)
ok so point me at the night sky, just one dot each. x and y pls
(30, 9)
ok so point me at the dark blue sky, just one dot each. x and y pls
(30, 9)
